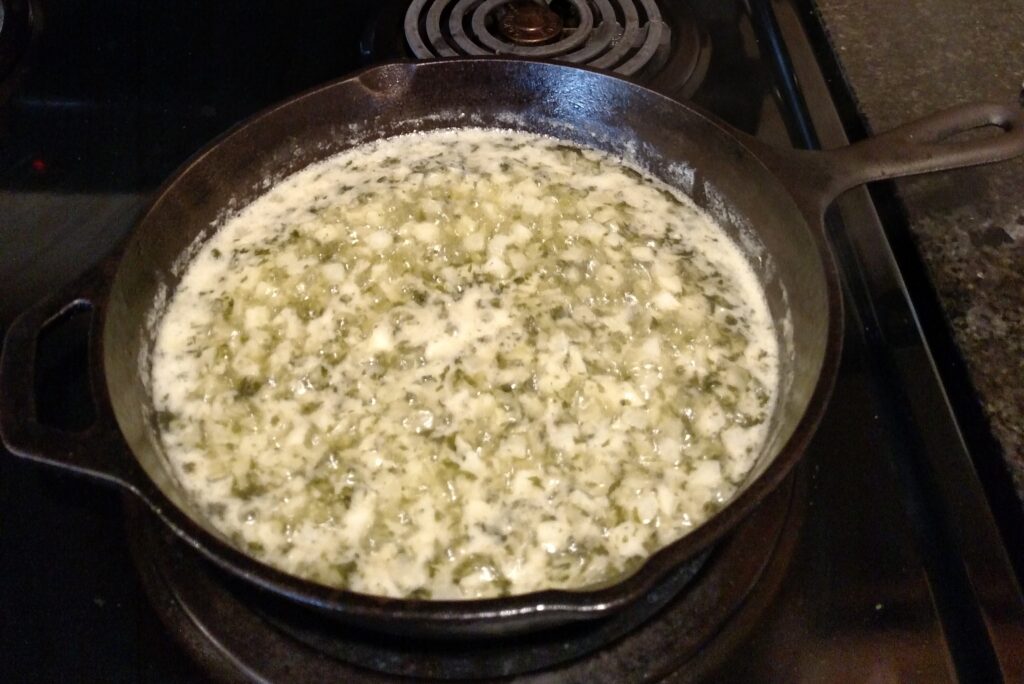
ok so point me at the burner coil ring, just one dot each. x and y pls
(624, 36)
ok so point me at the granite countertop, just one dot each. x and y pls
(903, 60)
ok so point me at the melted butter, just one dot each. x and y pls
(463, 364)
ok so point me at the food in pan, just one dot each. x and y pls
(462, 364)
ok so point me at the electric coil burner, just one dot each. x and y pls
(665, 50)
(589, 33)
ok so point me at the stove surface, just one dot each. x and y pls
(876, 580)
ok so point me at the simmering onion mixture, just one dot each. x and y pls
(464, 364)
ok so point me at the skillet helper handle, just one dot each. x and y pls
(86, 452)
(923, 146)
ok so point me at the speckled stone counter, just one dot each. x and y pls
(904, 60)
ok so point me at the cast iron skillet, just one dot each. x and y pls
(771, 201)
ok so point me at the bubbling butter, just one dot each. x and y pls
(462, 364)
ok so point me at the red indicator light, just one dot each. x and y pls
(38, 165)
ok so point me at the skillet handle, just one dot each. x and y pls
(96, 451)
(923, 146)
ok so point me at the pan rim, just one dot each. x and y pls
(566, 604)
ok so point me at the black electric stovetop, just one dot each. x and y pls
(890, 566)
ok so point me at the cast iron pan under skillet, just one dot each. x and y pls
(770, 200)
